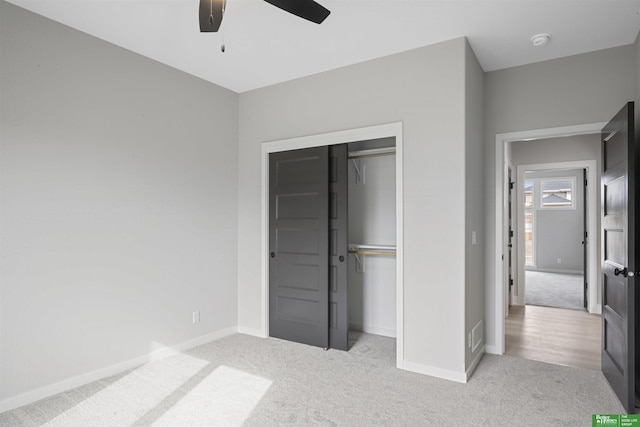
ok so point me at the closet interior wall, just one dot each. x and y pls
(372, 221)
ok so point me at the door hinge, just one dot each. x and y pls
(510, 282)
(586, 295)
(510, 233)
(511, 185)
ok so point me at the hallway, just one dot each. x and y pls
(554, 335)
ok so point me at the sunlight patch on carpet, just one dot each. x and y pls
(126, 400)
(227, 396)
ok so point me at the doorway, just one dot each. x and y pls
(500, 289)
(547, 321)
(393, 130)
(551, 210)
(617, 228)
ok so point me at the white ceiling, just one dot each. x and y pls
(265, 45)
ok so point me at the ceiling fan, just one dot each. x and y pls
(212, 11)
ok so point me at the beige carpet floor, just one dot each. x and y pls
(243, 380)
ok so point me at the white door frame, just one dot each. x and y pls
(501, 205)
(591, 193)
(340, 137)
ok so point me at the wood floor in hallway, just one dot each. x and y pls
(554, 335)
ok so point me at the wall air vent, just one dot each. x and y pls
(476, 336)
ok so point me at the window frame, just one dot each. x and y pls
(540, 196)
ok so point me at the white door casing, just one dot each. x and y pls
(499, 267)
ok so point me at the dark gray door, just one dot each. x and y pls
(338, 246)
(619, 257)
(299, 246)
(585, 257)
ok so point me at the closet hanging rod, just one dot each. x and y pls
(376, 152)
(362, 156)
(357, 246)
(370, 252)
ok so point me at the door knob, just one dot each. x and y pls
(618, 272)
(341, 258)
(624, 272)
(273, 254)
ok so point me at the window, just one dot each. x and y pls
(557, 193)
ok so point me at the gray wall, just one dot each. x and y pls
(474, 199)
(553, 150)
(425, 89)
(575, 90)
(119, 204)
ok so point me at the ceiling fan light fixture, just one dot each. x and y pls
(540, 39)
(211, 12)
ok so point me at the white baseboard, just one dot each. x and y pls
(475, 363)
(251, 331)
(375, 330)
(597, 309)
(492, 349)
(445, 374)
(86, 378)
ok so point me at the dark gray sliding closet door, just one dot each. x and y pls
(338, 245)
(299, 246)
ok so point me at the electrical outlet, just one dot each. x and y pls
(196, 316)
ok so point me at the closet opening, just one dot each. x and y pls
(301, 302)
(372, 238)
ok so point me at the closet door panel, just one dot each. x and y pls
(338, 234)
(299, 246)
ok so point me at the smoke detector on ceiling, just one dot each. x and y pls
(540, 39)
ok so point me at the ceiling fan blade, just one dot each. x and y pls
(305, 9)
(211, 12)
